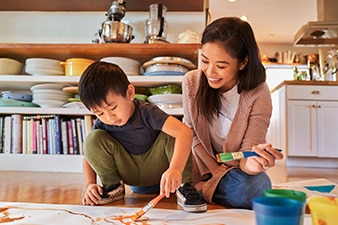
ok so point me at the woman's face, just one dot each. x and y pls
(220, 69)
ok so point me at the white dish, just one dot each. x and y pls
(45, 61)
(170, 60)
(50, 97)
(167, 100)
(48, 86)
(166, 67)
(75, 105)
(29, 67)
(52, 92)
(49, 103)
(129, 66)
(44, 72)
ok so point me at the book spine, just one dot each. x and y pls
(74, 135)
(44, 136)
(64, 137)
(34, 149)
(49, 136)
(79, 131)
(8, 135)
(16, 133)
(1, 133)
(29, 136)
(24, 136)
(38, 137)
(57, 135)
(70, 137)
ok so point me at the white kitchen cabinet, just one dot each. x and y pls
(312, 128)
(304, 122)
(140, 52)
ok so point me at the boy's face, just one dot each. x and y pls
(118, 109)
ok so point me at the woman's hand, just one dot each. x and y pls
(171, 180)
(265, 160)
(92, 194)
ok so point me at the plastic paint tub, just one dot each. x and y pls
(287, 193)
(277, 211)
(324, 210)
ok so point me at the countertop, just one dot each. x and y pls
(304, 82)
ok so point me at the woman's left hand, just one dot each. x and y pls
(265, 160)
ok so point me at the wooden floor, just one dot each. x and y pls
(67, 188)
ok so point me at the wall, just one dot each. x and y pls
(79, 27)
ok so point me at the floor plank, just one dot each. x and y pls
(67, 188)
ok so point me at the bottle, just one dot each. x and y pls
(296, 74)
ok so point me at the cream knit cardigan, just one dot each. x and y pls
(248, 128)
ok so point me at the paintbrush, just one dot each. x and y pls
(226, 157)
(147, 207)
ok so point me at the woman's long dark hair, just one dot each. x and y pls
(237, 38)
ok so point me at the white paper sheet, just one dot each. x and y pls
(54, 214)
(300, 186)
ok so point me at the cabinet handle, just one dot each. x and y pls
(315, 92)
(318, 106)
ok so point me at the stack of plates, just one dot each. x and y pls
(49, 95)
(167, 66)
(129, 66)
(167, 101)
(44, 67)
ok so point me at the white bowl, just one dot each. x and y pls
(43, 61)
(48, 86)
(49, 103)
(167, 101)
(10, 66)
(129, 66)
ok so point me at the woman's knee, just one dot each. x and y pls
(237, 189)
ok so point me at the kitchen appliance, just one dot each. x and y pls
(156, 26)
(113, 30)
(323, 32)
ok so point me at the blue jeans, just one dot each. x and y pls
(146, 189)
(237, 189)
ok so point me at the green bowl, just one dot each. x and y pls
(166, 89)
(141, 97)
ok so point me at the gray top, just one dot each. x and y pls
(141, 130)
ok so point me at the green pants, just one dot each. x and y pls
(112, 163)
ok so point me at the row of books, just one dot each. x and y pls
(43, 134)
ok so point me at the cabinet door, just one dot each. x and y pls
(302, 127)
(327, 113)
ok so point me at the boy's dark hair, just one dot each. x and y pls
(237, 38)
(98, 80)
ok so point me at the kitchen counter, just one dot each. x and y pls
(304, 82)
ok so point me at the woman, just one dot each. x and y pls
(228, 106)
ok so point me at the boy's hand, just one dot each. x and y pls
(170, 181)
(92, 194)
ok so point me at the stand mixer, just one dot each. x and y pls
(113, 30)
(156, 26)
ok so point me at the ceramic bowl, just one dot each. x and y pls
(10, 66)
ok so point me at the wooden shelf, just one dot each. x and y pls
(93, 5)
(140, 52)
(41, 162)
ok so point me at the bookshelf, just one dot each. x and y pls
(69, 162)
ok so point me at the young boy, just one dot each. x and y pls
(133, 142)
